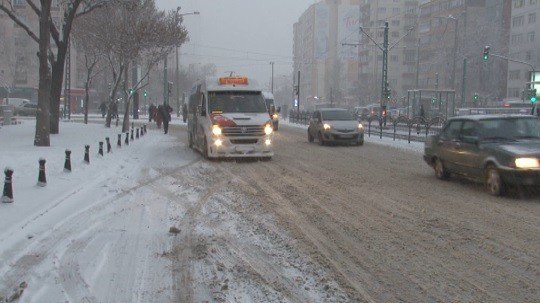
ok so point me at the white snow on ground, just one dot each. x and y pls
(64, 239)
(101, 233)
(417, 147)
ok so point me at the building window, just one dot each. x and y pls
(517, 39)
(519, 3)
(532, 18)
(518, 21)
(514, 75)
(530, 37)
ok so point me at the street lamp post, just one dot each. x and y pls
(177, 73)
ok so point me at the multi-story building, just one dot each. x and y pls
(524, 44)
(328, 69)
(19, 66)
(402, 17)
(452, 35)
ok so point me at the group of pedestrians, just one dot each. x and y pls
(161, 115)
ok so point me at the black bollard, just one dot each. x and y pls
(142, 131)
(87, 154)
(108, 145)
(42, 179)
(132, 137)
(132, 125)
(100, 152)
(119, 140)
(67, 164)
(144, 127)
(127, 139)
(7, 195)
(137, 134)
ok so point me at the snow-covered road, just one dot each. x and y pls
(153, 222)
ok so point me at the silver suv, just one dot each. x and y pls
(335, 125)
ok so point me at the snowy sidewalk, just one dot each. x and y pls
(40, 228)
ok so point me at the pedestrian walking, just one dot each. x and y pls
(165, 113)
(184, 112)
(103, 109)
(157, 116)
(151, 112)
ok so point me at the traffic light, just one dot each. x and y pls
(145, 93)
(131, 91)
(487, 48)
(476, 97)
(433, 100)
(532, 95)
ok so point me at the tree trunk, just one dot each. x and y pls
(86, 100)
(42, 135)
(125, 124)
(56, 89)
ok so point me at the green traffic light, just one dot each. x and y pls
(486, 57)
(534, 99)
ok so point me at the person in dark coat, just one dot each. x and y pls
(184, 112)
(151, 112)
(103, 109)
(114, 110)
(165, 113)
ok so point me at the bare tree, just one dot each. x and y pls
(134, 32)
(51, 77)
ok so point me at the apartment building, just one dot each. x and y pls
(402, 17)
(329, 69)
(524, 44)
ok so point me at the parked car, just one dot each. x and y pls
(496, 149)
(335, 125)
(28, 109)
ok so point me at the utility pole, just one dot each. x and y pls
(298, 90)
(456, 23)
(177, 83)
(417, 80)
(384, 86)
(272, 88)
(464, 82)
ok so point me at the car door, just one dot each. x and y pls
(449, 144)
(469, 156)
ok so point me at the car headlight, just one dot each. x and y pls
(360, 126)
(268, 130)
(527, 163)
(275, 116)
(327, 126)
(216, 130)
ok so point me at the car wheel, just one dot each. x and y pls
(494, 183)
(321, 139)
(310, 138)
(440, 170)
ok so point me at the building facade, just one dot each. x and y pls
(19, 66)
(452, 35)
(524, 44)
(328, 69)
(402, 17)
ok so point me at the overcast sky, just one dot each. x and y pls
(241, 35)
